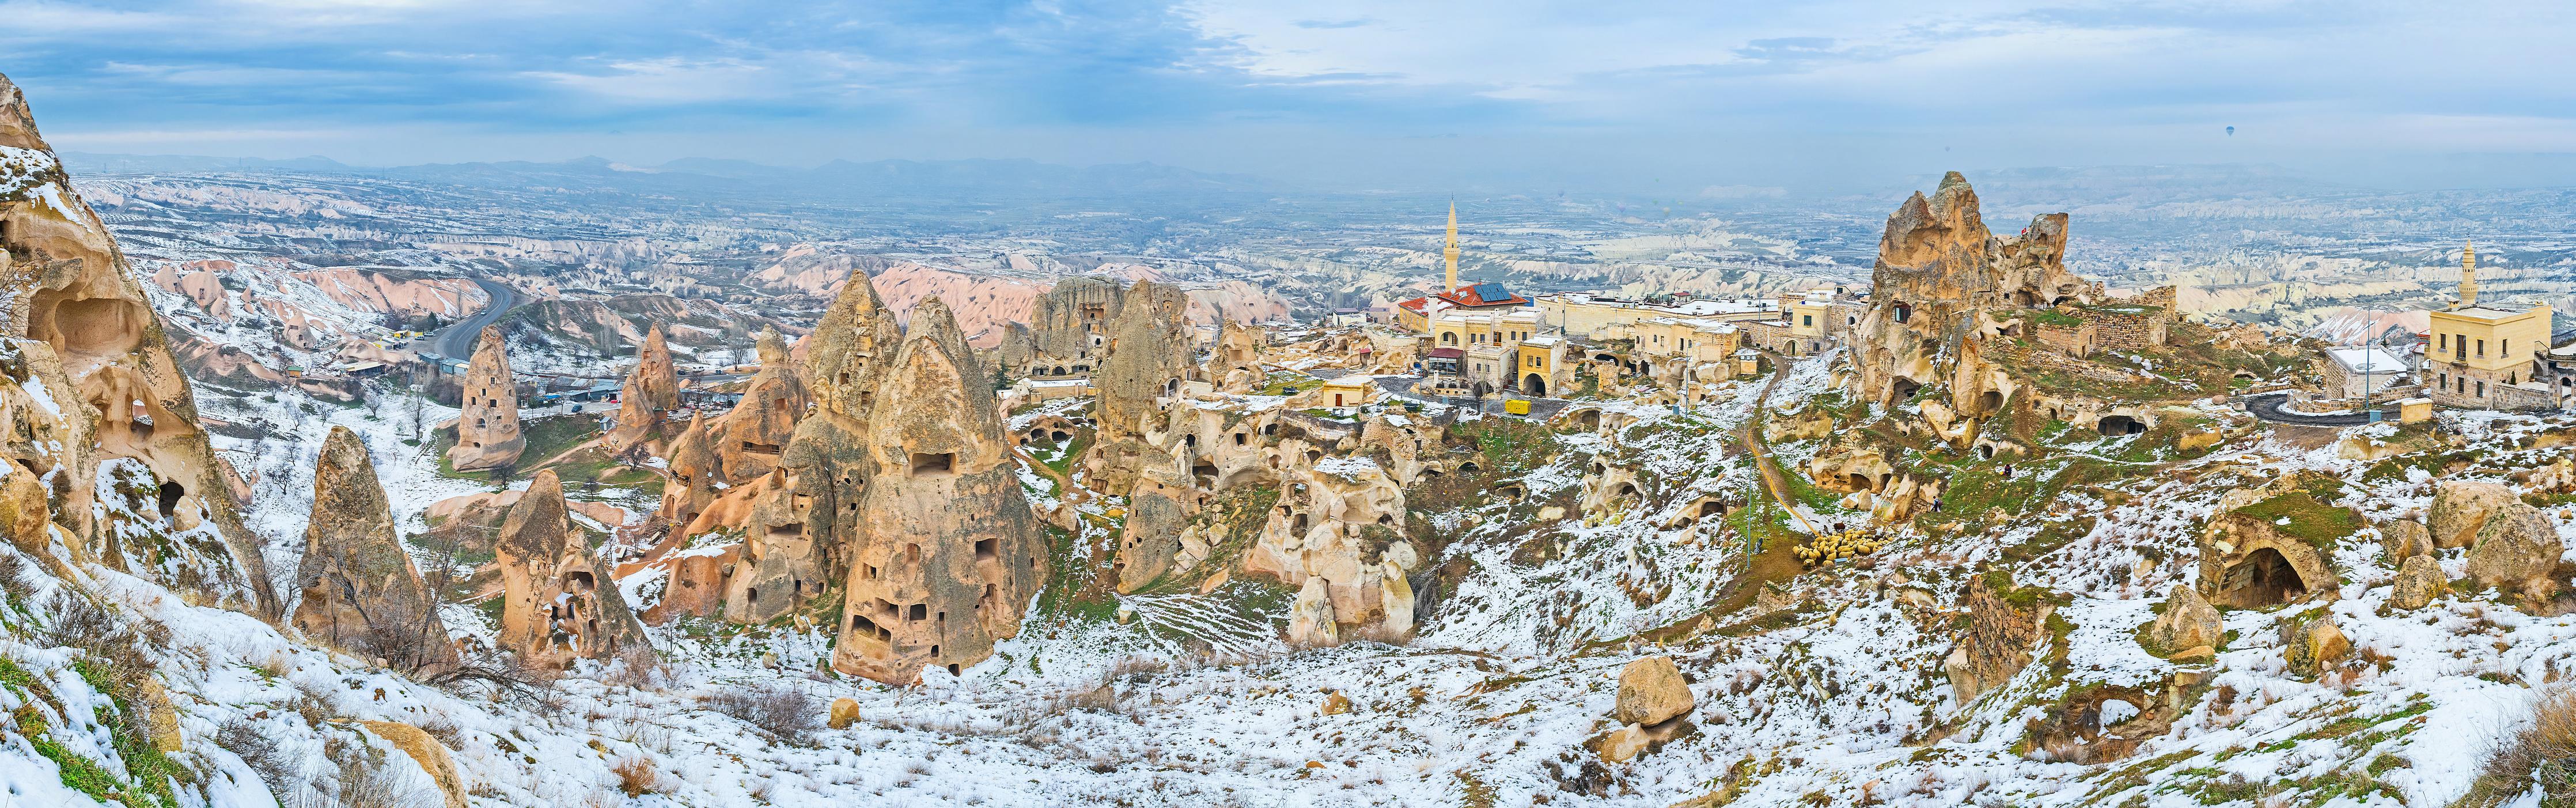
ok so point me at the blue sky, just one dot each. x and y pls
(1354, 95)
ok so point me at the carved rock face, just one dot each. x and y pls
(487, 431)
(107, 366)
(560, 601)
(943, 552)
(360, 590)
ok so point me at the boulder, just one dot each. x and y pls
(1310, 618)
(1623, 744)
(1336, 704)
(2460, 508)
(2404, 538)
(2313, 645)
(427, 752)
(1651, 691)
(845, 711)
(2515, 548)
(2188, 621)
(2419, 581)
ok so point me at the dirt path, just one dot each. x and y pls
(1778, 561)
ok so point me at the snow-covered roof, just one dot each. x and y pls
(2371, 360)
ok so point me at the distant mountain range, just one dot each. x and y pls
(944, 178)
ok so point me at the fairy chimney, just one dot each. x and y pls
(361, 592)
(945, 553)
(826, 458)
(559, 600)
(651, 391)
(487, 432)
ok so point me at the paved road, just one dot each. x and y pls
(2268, 407)
(457, 340)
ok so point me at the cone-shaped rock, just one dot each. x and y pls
(827, 462)
(559, 601)
(487, 432)
(945, 554)
(360, 590)
(651, 390)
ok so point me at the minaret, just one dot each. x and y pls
(2469, 276)
(1451, 252)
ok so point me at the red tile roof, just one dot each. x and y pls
(1471, 296)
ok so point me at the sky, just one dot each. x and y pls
(1714, 97)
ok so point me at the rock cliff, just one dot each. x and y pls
(559, 602)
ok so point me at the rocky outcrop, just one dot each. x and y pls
(2313, 644)
(92, 364)
(1311, 623)
(1069, 326)
(1651, 691)
(2252, 557)
(1144, 364)
(2516, 549)
(426, 751)
(2462, 507)
(780, 567)
(1341, 520)
(487, 431)
(2419, 581)
(652, 391)
(558, 601)
(944, 552)
(1151, 540)
(2188, 623)
(360, 592)
(1235, 365)
(2004, 627)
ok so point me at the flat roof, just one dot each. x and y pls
(2372, 360)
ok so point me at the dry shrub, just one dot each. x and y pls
(258, 749)
(636, 776)
(2544, 752)
(785, 712)
(636, 668)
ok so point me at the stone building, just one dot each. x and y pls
(945, 553)
(487, 431)
(2356, 373)
(2488, 355)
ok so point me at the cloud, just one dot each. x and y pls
(1586, 92)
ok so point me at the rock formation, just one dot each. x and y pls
(2250, 560)
(828, 459)
(2188, 623)
(1310, 617)
(652, 390)
(1651, 691)
(719, 459)
(1340, 520)
(559, 602)
(2419, 581)
(945, 553)
(2461, 508)
(2312, 645)
(2003, 628)
(1146, 361)
(360, 590)
(2516, 549)
(1069, 326)
(2404, 538)
(1235, 365)
(487, 431)
(94, 370)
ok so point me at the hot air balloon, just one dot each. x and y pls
(2231, 131)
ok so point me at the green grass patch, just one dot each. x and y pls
(2299, 515)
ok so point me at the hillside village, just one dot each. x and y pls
(1976, 531)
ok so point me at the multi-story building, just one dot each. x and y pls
(1592, 317)
(2488, 355)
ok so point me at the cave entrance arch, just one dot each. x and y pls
(2118, 425)
(2262, 578)
(1535, 385)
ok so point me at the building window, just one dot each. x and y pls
(2482, 349)
(1808, 320)
(2445, 343)
(2504, 348)
(2482, 389)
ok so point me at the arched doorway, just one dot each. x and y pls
(1535, 385)
(2117, 425)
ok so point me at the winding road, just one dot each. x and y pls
(2268, 407)
(456, 341)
